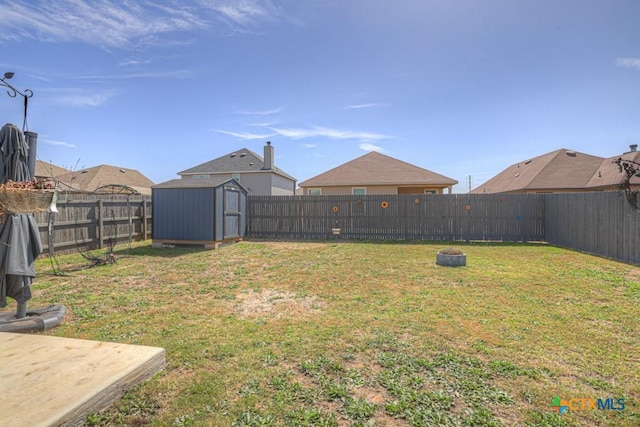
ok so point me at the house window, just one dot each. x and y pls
(430, 191)
(314, 192)
(359, 191)
(201, 176)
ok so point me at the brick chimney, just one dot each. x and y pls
(268, 156)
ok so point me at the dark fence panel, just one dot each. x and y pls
(455, 217)
(600, 223)
(87, 222)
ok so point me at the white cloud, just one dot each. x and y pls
(262, 124)
(263, 112)
(106, 23)
(628, 63)
(365, 146)
(361, 106)
(242, 12)
(133, 62)
(174, 74)
(125, 24)
(309, 146)
(57, 143)
(328, 133)
(244, 135)
(312, 132)
(80, 99)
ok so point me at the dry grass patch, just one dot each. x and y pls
(276, 304)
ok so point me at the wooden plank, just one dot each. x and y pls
(55, 381)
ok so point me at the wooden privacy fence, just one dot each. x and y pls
(601, 223)
(455, 217)
(87, 222)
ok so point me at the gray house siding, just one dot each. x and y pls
(282, 186)
(256, 183)
(260, 183)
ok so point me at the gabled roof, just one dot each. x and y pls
(377, 169)
(49, 170)
(104, 175)
(240, 161)
(558, 170)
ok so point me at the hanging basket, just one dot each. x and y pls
(26, 200)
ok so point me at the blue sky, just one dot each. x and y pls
(463, 88)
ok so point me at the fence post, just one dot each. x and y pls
(100, 224)
(145, 227)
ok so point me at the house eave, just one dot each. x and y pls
(240, 172)
(380, 184)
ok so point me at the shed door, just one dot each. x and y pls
(232, 213)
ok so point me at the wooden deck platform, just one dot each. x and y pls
(54, 381)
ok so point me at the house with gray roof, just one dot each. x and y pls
(562, 171)
(376, 173)
(258, 175)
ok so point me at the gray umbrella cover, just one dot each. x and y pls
(15, 155)
(20, 245)
(20, 242)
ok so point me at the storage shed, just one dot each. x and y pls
(204, 212)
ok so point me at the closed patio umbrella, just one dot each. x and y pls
(20, 242)
(20, 245)
(15, 155)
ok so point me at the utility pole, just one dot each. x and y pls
(469, 180)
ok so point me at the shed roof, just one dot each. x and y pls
(377, 169)
(240, 161)
(196, 183)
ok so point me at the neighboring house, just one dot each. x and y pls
(257, 175)
(46, 170)
(376, 173)
(105, 179)
(561, 171)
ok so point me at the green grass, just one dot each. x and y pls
(360, 334)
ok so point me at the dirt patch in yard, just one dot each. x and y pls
(276, 304)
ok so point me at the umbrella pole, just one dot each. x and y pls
(22, 310)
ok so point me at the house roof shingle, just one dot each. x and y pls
(49, 170)
(609, 174)
(558, 170)
(377, 169)
(240, 161)
(105, 175)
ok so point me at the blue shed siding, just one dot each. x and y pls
(184, 214)
(201, 213)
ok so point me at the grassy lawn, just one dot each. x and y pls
(361, 334)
